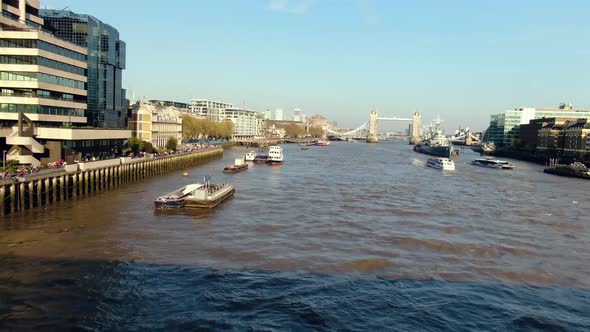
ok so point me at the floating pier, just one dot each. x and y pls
(84, 179)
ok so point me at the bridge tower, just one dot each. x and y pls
(415, 134)
(372, 137)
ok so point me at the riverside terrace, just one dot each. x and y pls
(83, 179)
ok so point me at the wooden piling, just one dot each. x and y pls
(12, 194)
(39, 192)
(53, 190)
(61, 188)
(2, 200)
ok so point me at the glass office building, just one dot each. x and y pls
(107, 105)
(504, 129)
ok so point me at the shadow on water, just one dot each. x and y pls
(48, 294)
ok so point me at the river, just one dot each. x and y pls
(344, 237)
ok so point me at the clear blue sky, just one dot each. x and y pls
(463, 59)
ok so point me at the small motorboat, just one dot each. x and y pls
(172, 200)
(250, 156)
(322, 143)
(261, 158)
(305, 148)
(492, 163)
(445, 164)
(238, 166)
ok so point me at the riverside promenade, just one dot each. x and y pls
(84, 179)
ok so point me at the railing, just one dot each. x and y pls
(35, 95)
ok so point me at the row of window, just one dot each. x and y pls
(40, 109)
(31, 93)
(41, 77)
(52, 79)
(41, 61)
(42, 45)
(61, 51)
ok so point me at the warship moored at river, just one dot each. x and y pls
(436, 143)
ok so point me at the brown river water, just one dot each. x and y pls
(345, 220)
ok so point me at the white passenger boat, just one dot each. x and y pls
(275, 155)
(250, 156)
(492, 163)
(445, 164)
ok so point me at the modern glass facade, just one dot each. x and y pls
(504, 127)
(107, 105)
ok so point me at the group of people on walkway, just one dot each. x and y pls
(22, 171)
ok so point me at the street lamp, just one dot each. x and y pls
(4, 159)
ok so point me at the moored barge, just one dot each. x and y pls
(196, 195)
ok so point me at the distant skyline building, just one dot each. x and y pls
(297, 115)
(247, 123)
(180, 105)
(278, 114)
(210, 109)
(268, 115)
(107, 104)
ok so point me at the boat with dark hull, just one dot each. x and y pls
(492, 163)
(575, 170)
(173, 200)
(238, 166)
(261, 158)
(433, 150)
(436, 143)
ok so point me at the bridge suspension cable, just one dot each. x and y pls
(363, 126)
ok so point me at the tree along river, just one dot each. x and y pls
(344, 237)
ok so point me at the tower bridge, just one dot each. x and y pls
(372, 126)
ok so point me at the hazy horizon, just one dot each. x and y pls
(343, 58)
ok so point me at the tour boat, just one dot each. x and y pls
(445, 164)
(197, 195)
(322, 143)
(492, 163)
(275, 155)
(250, 156)
(238, 166)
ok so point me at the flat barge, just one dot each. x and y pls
(574, 170)
(196, 195)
